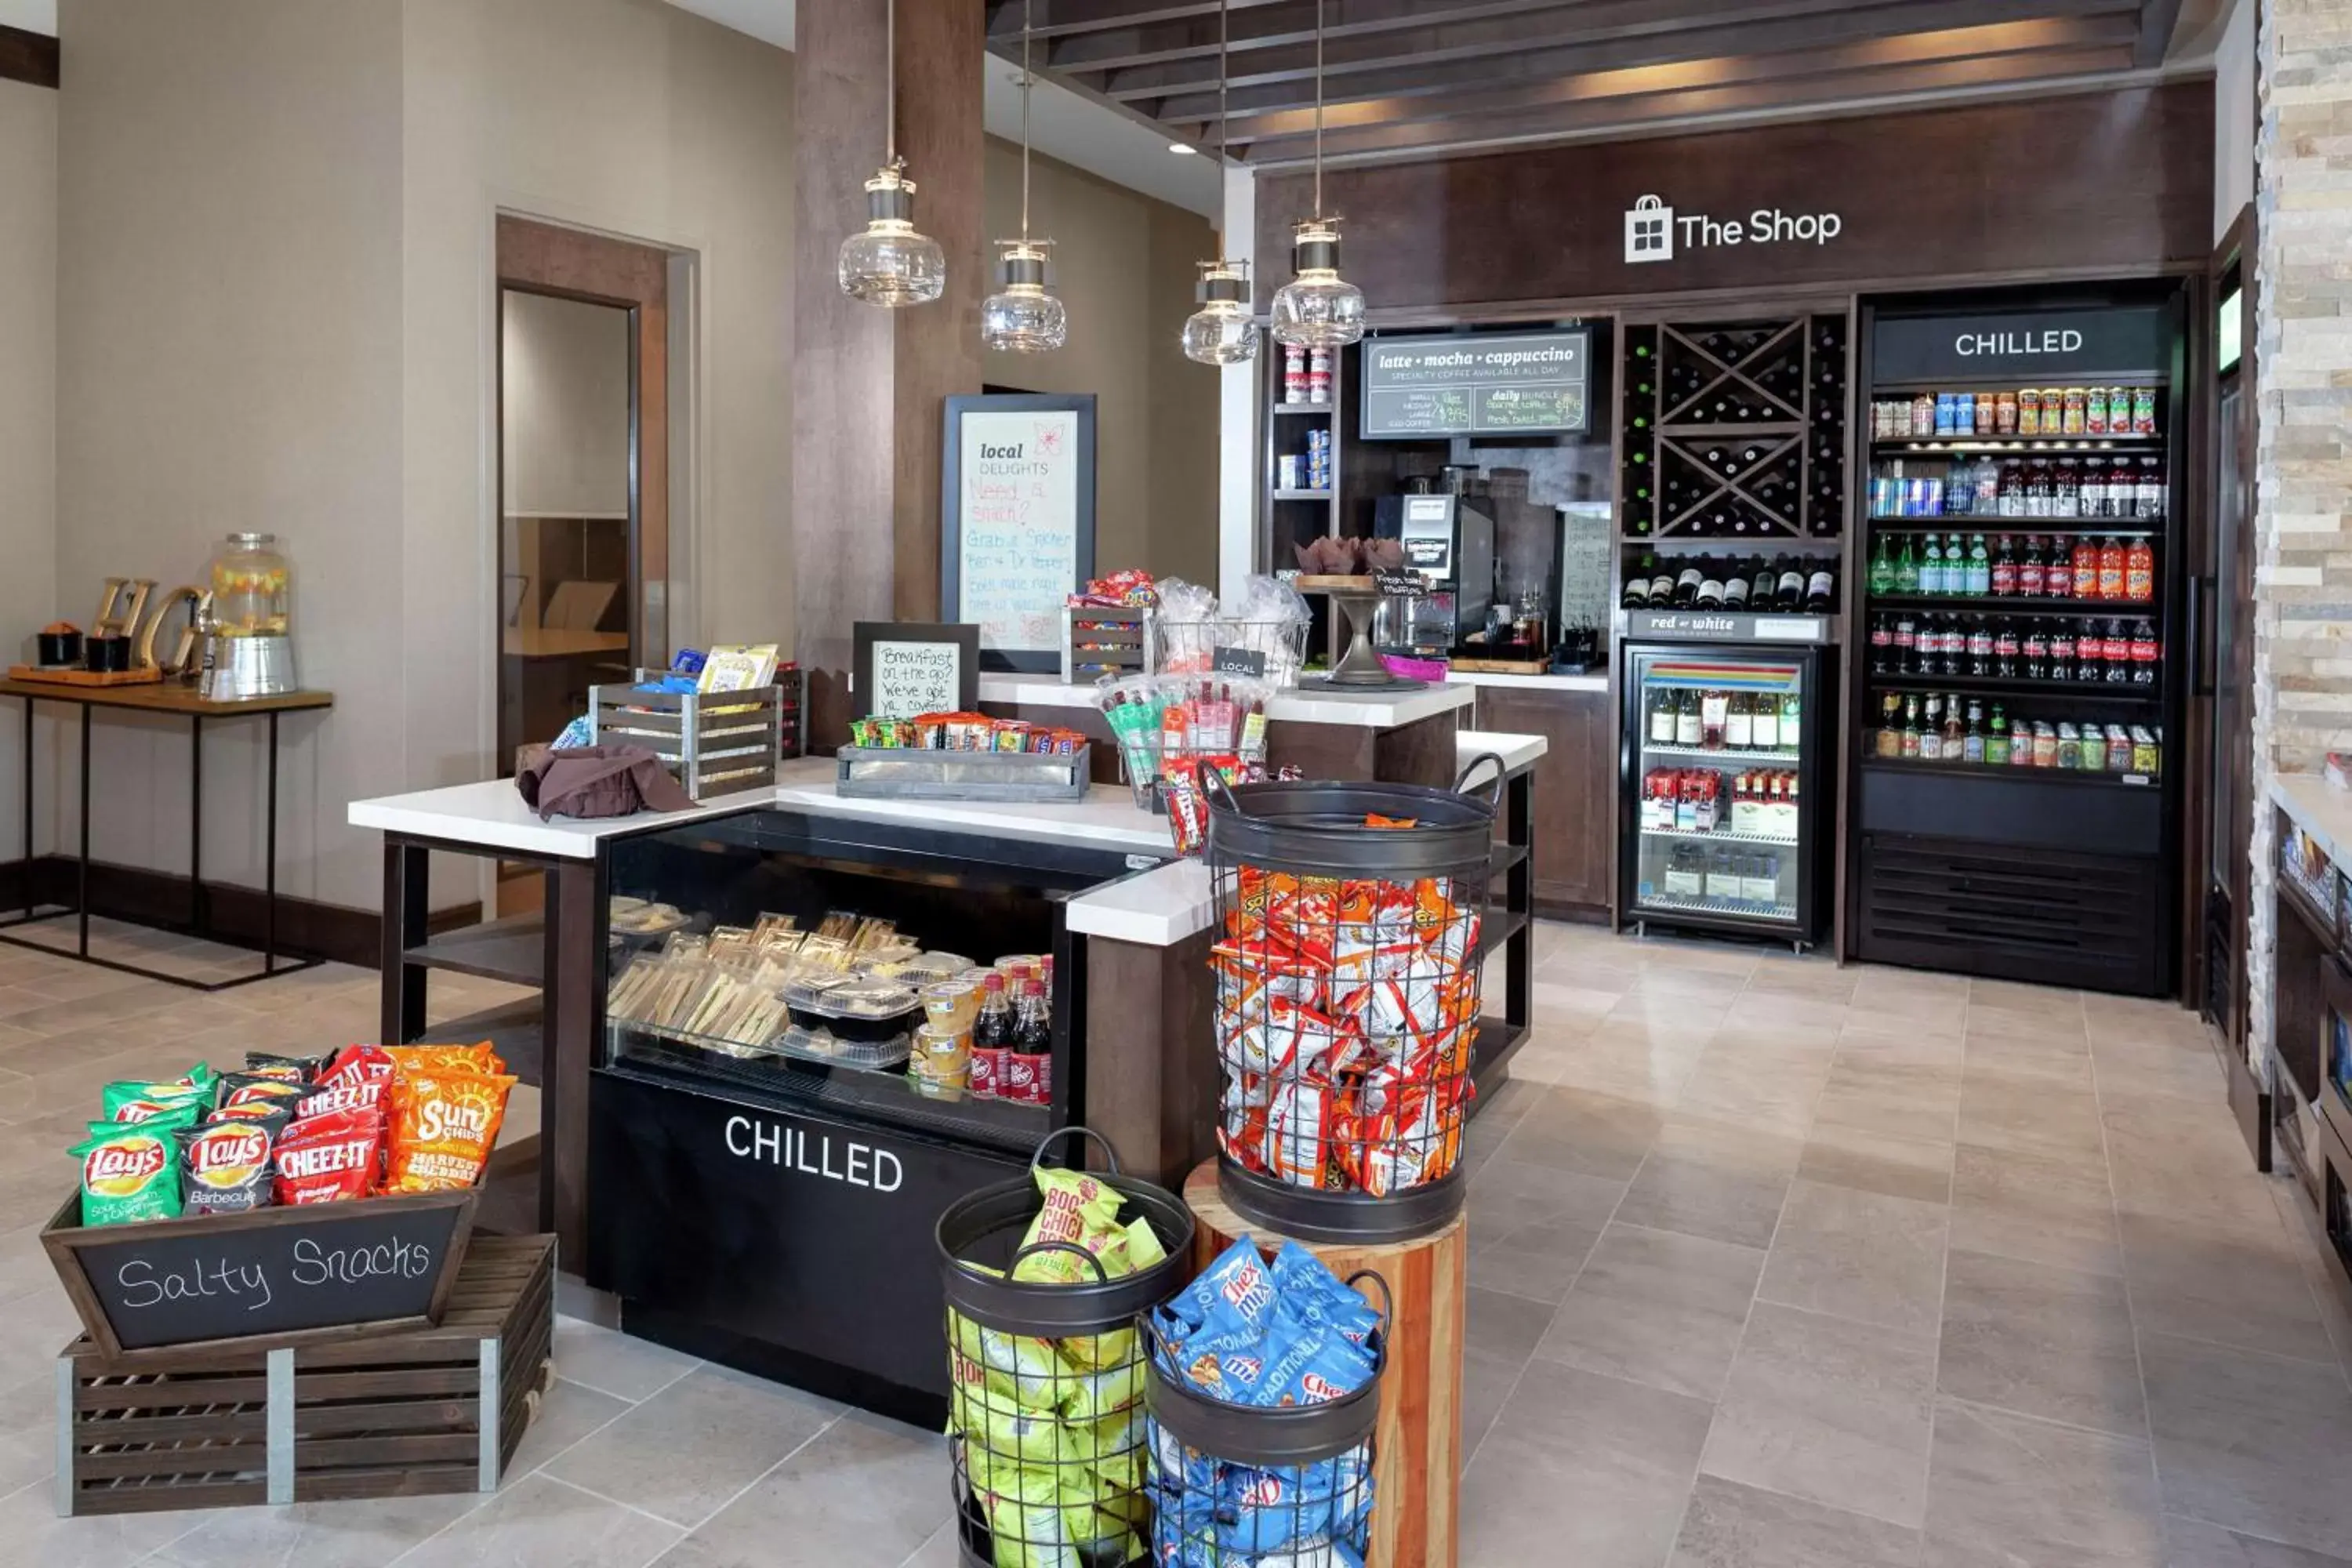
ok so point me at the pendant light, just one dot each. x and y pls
(1318, 308)
(887, 263)
(1023, 317)
(1221, 331)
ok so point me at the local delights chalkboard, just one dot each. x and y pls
(277, 1272)
(1476, 383)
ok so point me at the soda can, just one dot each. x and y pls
(2095, 412)
(1916, 501)
(1288, 468)
(2143, 405)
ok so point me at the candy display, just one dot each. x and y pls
(1048, 1432)
(1171, 726)
(294, 1130)
(964, 733)
(1347, 1009)
(1120, 591)
(1267, 1336)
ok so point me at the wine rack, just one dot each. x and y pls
(1735, 430)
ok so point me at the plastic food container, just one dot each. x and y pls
(822, 1046)
(951, 1004)
(854, 1009)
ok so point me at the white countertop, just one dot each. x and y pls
(1373, 710)
(1596, 681)
(2323, 812)
(1517, 751)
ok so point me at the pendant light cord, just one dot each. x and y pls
(1027, 8)
(891, 78)
(1318, 108)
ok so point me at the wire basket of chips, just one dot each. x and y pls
(1352, 921)
(1262, 1397)
(1045, 1277)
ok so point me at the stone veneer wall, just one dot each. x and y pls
(2303, 582)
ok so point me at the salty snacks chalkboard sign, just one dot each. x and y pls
(1017, 526)
(280, 1273)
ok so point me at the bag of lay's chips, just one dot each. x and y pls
(133, 1101)
(444, 1124)
(224, 1167)
(127, 1174)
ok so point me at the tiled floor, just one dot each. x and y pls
(1776, 1265)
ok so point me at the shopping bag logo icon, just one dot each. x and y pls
(1650, 231)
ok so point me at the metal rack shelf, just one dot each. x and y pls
(1720, 836)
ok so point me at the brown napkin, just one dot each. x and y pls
(598, 781)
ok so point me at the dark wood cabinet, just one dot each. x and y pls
(1575, 790)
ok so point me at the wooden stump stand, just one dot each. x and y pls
(1418, 1474)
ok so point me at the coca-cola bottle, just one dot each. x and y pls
(2146, 652)
(2118, 653)
(2090, 652)
(2004, 649)
(1032, 1021)
(992, 1029)
(2037, 656)
(2061, 653)
(1980, 647)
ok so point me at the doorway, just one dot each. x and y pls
(584, 529)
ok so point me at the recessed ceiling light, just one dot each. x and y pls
(1182, 149)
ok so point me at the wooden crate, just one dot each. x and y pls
(430, 1410)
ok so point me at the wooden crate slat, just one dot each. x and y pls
(241, 1421)
(408, 1448)
(149, 1395)
(168, 1497)
(407, 1382)
(387, 1415)
(191, 1459)
(349, 1486)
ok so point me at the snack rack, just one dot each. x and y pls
(714, 743)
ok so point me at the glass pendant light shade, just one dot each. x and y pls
(1222, 330)
(1318, 309)
(887, 262)
(1023, 318)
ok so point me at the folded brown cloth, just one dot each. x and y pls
(598, 781)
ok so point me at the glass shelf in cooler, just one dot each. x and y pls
(1719, 835)
(1786, 758)
(1738, 908)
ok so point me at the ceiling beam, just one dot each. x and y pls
(1807, 24)
(1625, 98)
(1291, 23)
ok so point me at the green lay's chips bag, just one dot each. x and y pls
(128, 1173)
(154, 1116)
(131, 1101)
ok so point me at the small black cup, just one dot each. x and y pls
(108, 654)
(60, 647)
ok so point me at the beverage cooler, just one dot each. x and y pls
(2023, 653)
(1726, 750)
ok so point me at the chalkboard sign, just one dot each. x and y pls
(1017, 531)
(1469, 384)
(1399, 582)
(906, 668)
(273, 1272)
(1249, 661)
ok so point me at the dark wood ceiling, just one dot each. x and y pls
(1411, 78)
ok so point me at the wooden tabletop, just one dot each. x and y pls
(546, 642)
(164, 697)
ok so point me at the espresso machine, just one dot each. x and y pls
(1448, 538)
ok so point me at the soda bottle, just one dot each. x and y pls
(1881, 570)
(2140, 572)
(2118, 653)
(992, 1029)
(2111, 568)
(1906, 570)
(1972, 745)
(1032, 1024)
(1905, 646)
(1931, 567)
(2032, 580)
(1956, 739)
(2146, 652)
(1980, 647)
(2062, 653)
(2037, 656)
(1996, 751)
(1890, 725)
(2004, 568)
(1911, 725)
(2065, 490)
(1931, 730)
(2090, 652)
(2058, 580)
(1978, 581)
(2004, 649)
(2086, 568)
(1882, 645)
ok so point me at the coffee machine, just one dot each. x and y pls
(1449, 539)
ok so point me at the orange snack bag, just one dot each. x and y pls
(475, 1057)
(444, 1122)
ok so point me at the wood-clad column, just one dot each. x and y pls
(868, 384)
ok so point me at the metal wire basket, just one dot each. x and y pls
(1045, 1424)
(1193, 647)
(1351, 919)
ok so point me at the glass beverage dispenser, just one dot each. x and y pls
(249, 652)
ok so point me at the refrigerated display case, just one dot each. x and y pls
(1725, 749)
(2020, 657)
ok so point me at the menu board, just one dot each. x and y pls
(1466, 383)
(1019, 530)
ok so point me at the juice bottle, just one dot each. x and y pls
(2111, 568)
(2139, 571)
(2086, 567)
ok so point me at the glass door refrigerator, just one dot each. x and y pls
(1725, 755)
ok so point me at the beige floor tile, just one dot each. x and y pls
(2235, 1288)
(1507, 1196)
(1591, 1134)
(1821, 978)
(1657, 1307)
(1772, 1085)
(1637, 1064)
(1733, 1526)
(2005, 1490)
(1580, 1469)
(2193, 1543)
(2035, 1208)
(1883, 1092)
(1828, 1410)
(38, 1538)
(1875, 1162)
(365, 1534)
(615, 1363)
(567, 1413)
(1762, 1012)
(2062, 1065)
(2028, 1116)
(538, 1521)
(1719, 1180)
(2041, 1342)
(686, 1452)
(1863, 1255)
(864, 1493)
(2248, 1442)
(1905, 1016)
(1538, 1262)
(2060, 1024)
(2019, 997)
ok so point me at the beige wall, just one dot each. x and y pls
(228, 358)
(277, 311)
(563, 393)
(28, 343)
(1123, 266)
